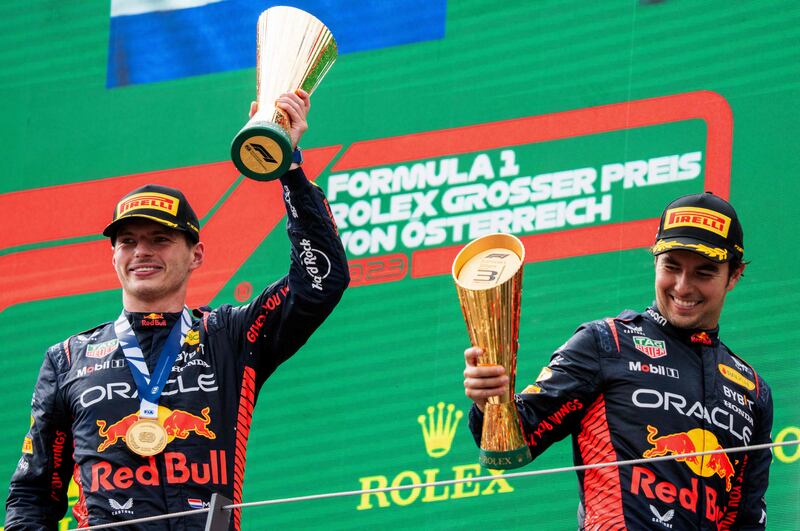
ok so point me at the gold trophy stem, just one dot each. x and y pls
(488, 276)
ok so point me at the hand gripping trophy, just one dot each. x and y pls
(488, 277)
(294, 51)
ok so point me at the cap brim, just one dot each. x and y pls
(704, 249)
(112, 227)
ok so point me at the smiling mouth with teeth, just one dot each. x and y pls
(684, 304)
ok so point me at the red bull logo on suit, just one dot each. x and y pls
(178, 469)
(694, 440)
(178, 424)
(645, 482)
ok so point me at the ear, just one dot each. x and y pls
(734, 278)
(198, 253)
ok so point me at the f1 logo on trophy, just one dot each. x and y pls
(294, 51)
(488, 277)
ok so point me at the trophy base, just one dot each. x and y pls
(262, 150)
(505, 460)
(502, 443)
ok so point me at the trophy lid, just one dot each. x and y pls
(488, 261)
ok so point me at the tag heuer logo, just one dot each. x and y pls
(650, 347)
(101, 350)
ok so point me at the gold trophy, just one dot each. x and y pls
(295, 50)
(488, 277)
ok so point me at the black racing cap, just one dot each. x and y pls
(161, 204)
(702, 223)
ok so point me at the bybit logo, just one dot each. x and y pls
(438, 432)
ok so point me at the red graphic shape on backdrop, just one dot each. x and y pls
(253, 209)
(231, 235)
(704, 105)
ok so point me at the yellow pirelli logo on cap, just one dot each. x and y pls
(149, 201)
(700, 218)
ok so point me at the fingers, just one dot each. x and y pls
(471, 356)
(482, 381)
(296, 104)
(485, 384)
(303, 95)
(253, 108)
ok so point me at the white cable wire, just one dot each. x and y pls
(510, 475)
(448, 482)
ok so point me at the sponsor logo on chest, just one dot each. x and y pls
(92, 368)
(652, 368)
(650, 347)
(101, 350)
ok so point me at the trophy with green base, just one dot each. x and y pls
(295, 51)
(488, 277)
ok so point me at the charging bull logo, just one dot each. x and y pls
(178, 424)
(116, 431)
(694, 440)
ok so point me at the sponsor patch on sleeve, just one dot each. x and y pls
(736, 377)
(544, 374)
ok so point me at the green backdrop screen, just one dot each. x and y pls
(570, 124)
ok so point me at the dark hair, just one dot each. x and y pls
(735, 263)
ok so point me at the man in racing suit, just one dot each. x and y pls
(656, 383)
(86, 397)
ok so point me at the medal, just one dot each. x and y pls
(146, 437)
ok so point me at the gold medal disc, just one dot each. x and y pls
(146, 437)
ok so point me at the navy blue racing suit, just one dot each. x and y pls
(85, 397)
(635, 387)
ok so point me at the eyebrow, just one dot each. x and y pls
(156, 232)
(709, 267)
(706, 266)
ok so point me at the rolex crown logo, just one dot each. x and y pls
(439, 429)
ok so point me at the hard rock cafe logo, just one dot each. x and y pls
(439, 426)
